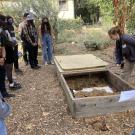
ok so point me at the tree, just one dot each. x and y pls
(122, 10)
(91, 10)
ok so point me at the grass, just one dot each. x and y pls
(90, 35)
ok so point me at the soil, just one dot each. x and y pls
(78, 83)
(39, 108)
(94, 93)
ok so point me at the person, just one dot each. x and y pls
(24, 43)
(7, 42)
(30, 36)
(3, 90)
(5, 110)
(46, 41)
(125, 51)
(10, 28)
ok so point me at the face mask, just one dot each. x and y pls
(10, 21)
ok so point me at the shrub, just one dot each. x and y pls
(131, 22)
(97, 40)
(69, 24)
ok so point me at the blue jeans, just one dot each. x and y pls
(47, 48)
(3, 130)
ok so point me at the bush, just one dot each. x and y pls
(69, 24)
(131, 22)
(97, 40)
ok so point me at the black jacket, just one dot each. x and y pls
(125, 47)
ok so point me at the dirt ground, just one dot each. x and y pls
(39, 108)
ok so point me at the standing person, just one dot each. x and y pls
(7, 42)
(30, 36)
(3, 90)
(46, 41)
(24, 43)
(125, 51)
(10, 28)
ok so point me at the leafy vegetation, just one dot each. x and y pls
(69, 24)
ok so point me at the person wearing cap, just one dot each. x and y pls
(31, 38)
(24, 43)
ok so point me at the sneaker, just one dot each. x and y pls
(15, 86)
(46, 64)
(38, 66)
(18, 71)
(52, 62)
(8, 95)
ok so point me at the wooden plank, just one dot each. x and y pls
(68, 94)
(117, 82)
(77, 71)
(96, 109)
(80, 62)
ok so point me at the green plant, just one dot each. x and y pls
(131, 22)
(71, 24)
(97, 40)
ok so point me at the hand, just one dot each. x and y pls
(2, 60)
(35, 44)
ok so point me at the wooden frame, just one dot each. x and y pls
(94, 106)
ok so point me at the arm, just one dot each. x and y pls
(118, 53)
(2, 56)
(129, 40)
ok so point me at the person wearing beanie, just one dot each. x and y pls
(31, 38)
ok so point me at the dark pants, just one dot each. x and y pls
(36, 55)
(25, 52)
(9, 69)
(33, 52)
(16, 64)
(2, 81)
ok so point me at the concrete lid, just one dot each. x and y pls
(80, 62)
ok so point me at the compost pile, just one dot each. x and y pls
(78, 83)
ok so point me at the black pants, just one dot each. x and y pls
(36, 55)
(25, 52)
(33, 53)
(16, 64)
(9, 69)
(2, 81)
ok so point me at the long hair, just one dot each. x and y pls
(115, 30)
(45, 25)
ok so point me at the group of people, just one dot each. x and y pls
(9, 55)
(30, 35)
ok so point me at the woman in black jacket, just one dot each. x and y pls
(7, 42)
(125, 51)
(11, 30)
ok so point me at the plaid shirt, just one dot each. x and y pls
(30, 34)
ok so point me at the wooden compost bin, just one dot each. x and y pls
(94, 105)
